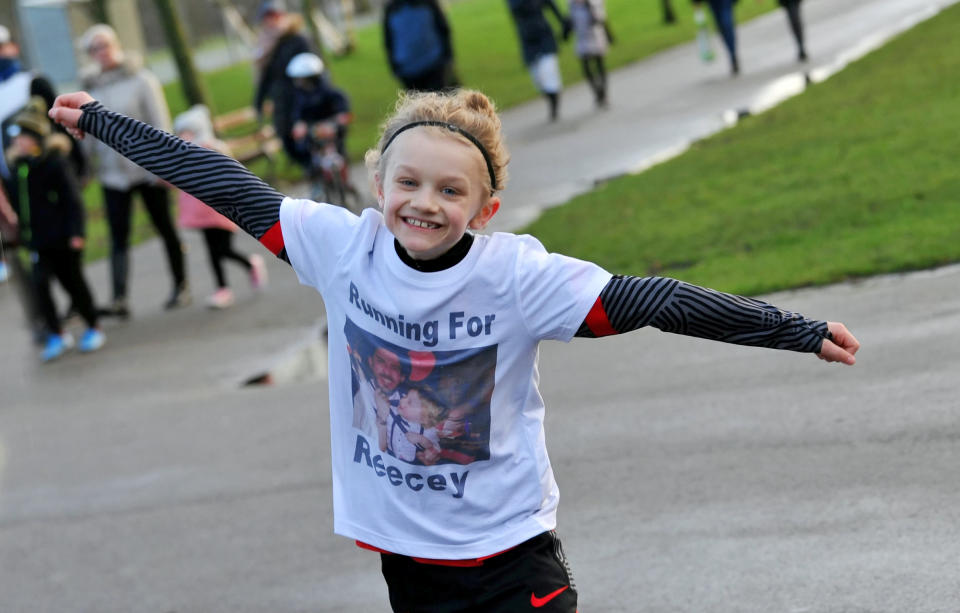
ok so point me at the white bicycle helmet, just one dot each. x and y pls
(304, 65)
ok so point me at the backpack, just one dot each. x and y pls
(415, 44)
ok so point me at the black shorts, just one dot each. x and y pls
(533, 576)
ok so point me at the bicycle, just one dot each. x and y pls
(328, 171)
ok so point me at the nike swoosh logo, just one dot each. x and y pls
(539, 602)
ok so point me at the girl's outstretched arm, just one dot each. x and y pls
(215, 179)
(628, 303)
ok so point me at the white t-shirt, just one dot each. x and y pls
(466, 339)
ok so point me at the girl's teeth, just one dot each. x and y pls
(421, 224)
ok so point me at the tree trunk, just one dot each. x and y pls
(99, 10)
(193, 88)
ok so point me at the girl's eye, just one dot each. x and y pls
(450, 191)
(406, 182)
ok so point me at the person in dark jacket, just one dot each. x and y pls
(46, 199)
(792, 7)
(416, 35)
(723, 16)
(539, 46)
(282, 40)
(17, 85)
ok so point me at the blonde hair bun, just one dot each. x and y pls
(467, 109)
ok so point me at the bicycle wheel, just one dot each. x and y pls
(334, 186)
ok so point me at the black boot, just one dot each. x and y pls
(119, 271)
(179, 297)
(554, 102)
(119, 308)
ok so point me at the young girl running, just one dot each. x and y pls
(466, 312)
(195, 125)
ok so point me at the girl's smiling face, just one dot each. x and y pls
(433, 188)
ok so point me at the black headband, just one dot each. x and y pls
(453, 128)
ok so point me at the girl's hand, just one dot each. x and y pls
(76, 243)
(66, 111)
(843, 346)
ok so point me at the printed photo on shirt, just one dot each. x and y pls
(422, 407)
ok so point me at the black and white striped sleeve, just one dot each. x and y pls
(215, 179)
(628, 303)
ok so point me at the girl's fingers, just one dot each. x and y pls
(831, 352)
(66, 111)
(72, 100)
(65, 116)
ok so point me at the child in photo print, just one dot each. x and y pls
(422, 407)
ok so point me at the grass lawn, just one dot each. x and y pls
(856, 176)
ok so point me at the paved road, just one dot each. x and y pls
(146, 478)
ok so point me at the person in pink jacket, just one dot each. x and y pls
(196, 125)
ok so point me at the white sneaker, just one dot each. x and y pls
(221, 299)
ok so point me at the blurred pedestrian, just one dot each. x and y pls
(17, 85)
(4, 268)
(723, 16)
(592, 35)
(195, 125)
(127, 85)
(281, 40)
(669, 16)
(46, 199)
(704, 44)
(17, 267)
(539, 46)
(792, 7)
(417, 40)
(8, 235)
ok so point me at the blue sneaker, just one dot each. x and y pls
(4, 273)
(56, 346)
(92, 340)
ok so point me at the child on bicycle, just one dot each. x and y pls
(470, 310)
(319, 111)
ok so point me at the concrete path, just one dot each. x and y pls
(147, 478)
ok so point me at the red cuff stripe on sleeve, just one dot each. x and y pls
(272, 239)
(597, 320)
